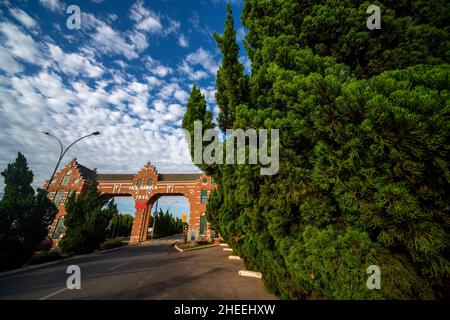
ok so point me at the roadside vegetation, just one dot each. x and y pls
(166, 224)
(364, 122)
(25, 215)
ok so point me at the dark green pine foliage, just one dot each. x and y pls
(232, 83)
(24, 215)
(364, 148)
(412, 32)
(87, 219)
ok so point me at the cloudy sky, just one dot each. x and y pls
(126, 73)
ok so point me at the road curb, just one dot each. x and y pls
(251, 274)
(51, 263)
(179, 249)
(156, 242)
(192, 249)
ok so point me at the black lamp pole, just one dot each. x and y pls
(64, 151)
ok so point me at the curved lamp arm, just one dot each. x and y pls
(63, 152)
(96, 133)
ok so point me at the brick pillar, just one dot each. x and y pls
(140, 225)
(145, 223)
(196, 209)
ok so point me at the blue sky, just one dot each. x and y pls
(127, 73)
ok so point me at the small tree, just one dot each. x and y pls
(87, 218)
(24, 215)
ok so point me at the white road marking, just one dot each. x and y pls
(53, 294)
(118, 266)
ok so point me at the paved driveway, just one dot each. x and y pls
(154, 271)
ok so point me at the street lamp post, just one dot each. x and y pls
(63, 151)
(154, 219)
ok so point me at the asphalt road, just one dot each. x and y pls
(153, 271)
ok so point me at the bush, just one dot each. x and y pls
(88, 216)
(46, 256)
(111, 244)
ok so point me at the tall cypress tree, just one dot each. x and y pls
(232, 84)
(24, 215)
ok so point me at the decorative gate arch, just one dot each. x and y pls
(146, 186)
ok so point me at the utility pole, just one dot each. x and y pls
(154, 219)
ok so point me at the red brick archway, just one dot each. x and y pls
(146, 186)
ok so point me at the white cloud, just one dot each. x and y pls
(16, 46)
(8, 63)
(72, 94)
(145, 19)
(181, 96)
(153, 81)
(23, 18)
(19, 44)
(192, 74)
(74, 64)
(200, 58)
(138, 88)
(53, 5)
(205, 59)
(173, 27)
(139, 40)
(183, 41)
(209, 93)
(107, 40)
(156, 68)
(121, 64)
(162, 71)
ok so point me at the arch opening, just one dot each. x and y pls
(175, 207)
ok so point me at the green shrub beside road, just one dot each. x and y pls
(111, 244)
(46, 256)
(88, 216)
